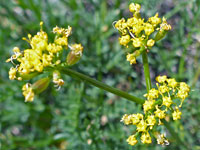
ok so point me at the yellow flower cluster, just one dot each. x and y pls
(41, 55)
(160, 103)
(139, 33)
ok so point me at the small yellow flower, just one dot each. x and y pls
(167, 101)
(63, 31)
(159, 113)
(127, 119)
(132, 140)
(121, 25)
(134, 8)
(12, 73)
(131, 58)
(182, 94)
(155, 20)
(152, 94)
(163, 89)
(141, 126)
(46, 60)
(150, 43)
(148, 105)
(184, 87)
(63, 41)
(164, 25)
(39, 67)
(77, 49)
(124, 40)
(161, 79)
(172, 82)
(151, 121)
(53, 48)
(146, 138)
(137, 42)
(135, 25)
(148, 29)
(176, 114)
(135, 118)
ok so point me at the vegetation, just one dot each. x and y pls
(81, 116)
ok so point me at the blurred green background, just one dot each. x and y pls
(81, 116)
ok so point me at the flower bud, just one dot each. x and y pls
(160, 35)
(75, 54)
(72, 58)
(150, 43)
(40, 85)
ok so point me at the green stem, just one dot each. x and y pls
(146, 70)
(101, 85)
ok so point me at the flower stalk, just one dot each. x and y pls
(146, 70)
(101, 85)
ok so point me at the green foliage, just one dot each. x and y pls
(80, 116)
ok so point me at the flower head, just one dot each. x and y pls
(177, 114)
(41, 56)
(131, 58)
(159, 103)
(143, 34)
(146, 138)
(132, 140)
(159, 113)
(141, 126)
